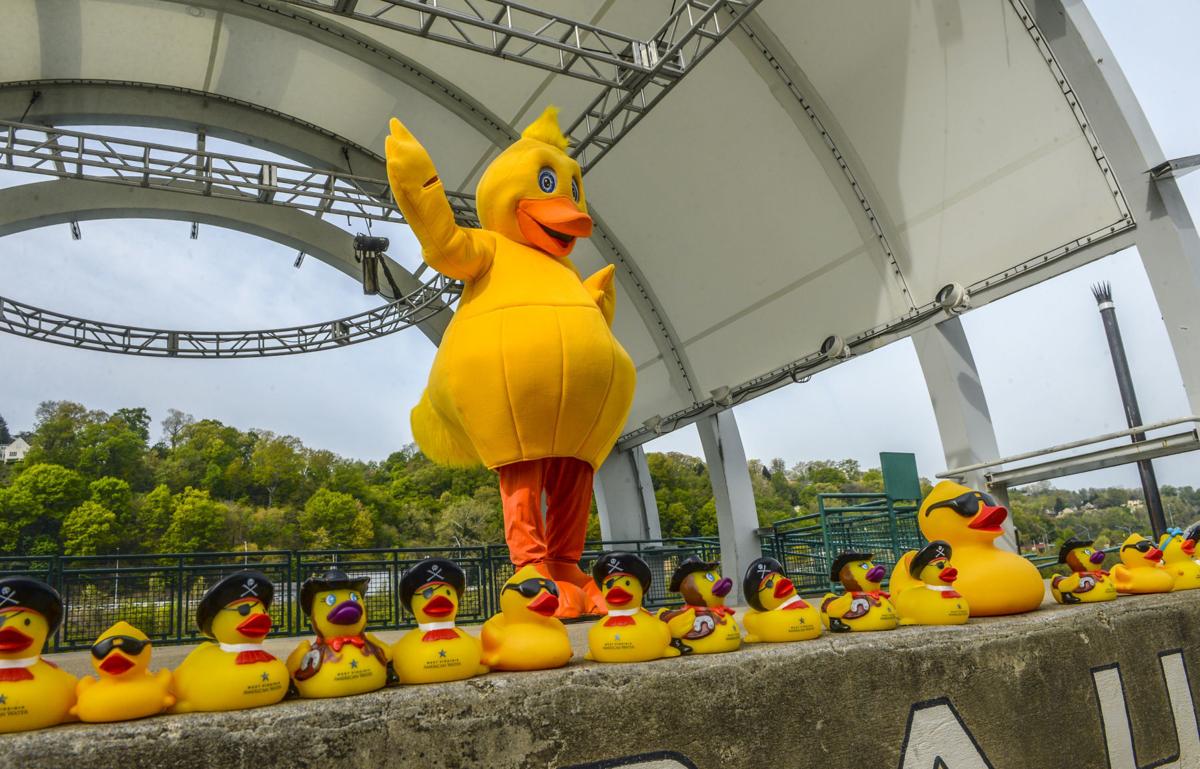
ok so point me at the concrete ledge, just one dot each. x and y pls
(1026, 692)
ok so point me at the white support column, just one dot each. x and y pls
(625, 497)
(959, 404)
(737, 516)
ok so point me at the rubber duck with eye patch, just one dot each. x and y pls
(1141, 569)
(435, 650)
(233, 671)
(922, 587)
(125, 689)
(628, 633)
(704, 624)
(1087, 583)
(33, 692)
(526, 635)
(777, 612)
(343, 659)
(1179, 549)
(863, 606)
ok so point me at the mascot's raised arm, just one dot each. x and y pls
(529, 379)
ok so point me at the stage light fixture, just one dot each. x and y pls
(835, 348)
(954, 299)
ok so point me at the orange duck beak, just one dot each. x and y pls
(552, 224)
(989, 518)
(784, 588)
(545, 604)
(1154, 555)
(1188, 547)
(618, 596)
(255, 626)
(116, 663)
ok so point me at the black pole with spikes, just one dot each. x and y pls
(1133, 415)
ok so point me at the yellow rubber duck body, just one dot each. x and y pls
(435, 650)
(864, 606)
(704, 624)
(993, 581)
(343, 659)
(235, 672)
(125, 688)
(777, 612)
(33, 692)
(922, 587)
(1179, 550)
(1088, 583)
(629, 633)
(525, 635)
(1141, 569)
(528, 378)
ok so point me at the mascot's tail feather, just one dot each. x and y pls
(901, 578)
(441, 441)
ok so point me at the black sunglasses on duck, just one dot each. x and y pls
(531, 587)
(127, 644)
(965, 504)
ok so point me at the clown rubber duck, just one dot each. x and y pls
(525, 635)
(342, 659)
(777, 612)
(704, 624)
(629, 633)
(993, 581)
(864, 606)
(435, 650)
(1141, 569)
(125, 689)
(528, 379)
(923, 587)
(33, 692)
(235, 672)
(1179, 550)
(1088, 583)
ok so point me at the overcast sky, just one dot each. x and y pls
(1042, 352)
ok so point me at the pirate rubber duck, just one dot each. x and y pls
(33, 692)
(922, 587)
(703, 625)
(1179, 550)
(1141, 569)
(125, 688)
(525, 635)
(777, 612)
(233, 671)
(863, 606)
(435, 650)
(342, 659)
(629, 633)
(1087, 583)
(993, 581)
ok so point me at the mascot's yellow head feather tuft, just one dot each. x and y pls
(545, 129)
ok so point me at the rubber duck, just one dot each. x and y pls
(435, 650)
(526, 635)
(34, 693)
(342, 659)
(777, 612)
(1179, 552)
(629, 633)
(233, 671)
(864, 606)
(1141, 569)
(125, 688)
(993, 581)
(1088, 583)
(704, 624)
(528, 378)
(922, 587)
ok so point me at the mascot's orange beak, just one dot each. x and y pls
(552, 224)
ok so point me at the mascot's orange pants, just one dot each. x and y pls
(556, 545)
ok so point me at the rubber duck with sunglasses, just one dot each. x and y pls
(993, 581)
(125, 688)
(1141, 569)
(525, 635)
(435, 650)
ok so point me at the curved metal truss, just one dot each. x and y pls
(48, 326)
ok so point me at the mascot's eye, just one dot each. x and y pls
(354, 597)
(330, 600)
(547, 180)
(575, 189)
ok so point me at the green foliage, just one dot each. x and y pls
(335, 519)
(197, 523)
(5, 435)
(90, 529)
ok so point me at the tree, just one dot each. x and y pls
(90, 529)
(33, 507)
(5, 435)
(197, 523)
(336, 515)
(277, 464)
(154, 517)
(173, 425)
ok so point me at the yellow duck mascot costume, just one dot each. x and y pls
(1088, 583)
(704, 624)
(342, 659)
(864, 606)
(1141, 569)
(993, 581)
(125, 689)
(922, 587)
(1179, 549)
(777, 612)
(526, 635)
(34, 693)
(235, 672)
(528, 378)
(629, 633)
(435, 650)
